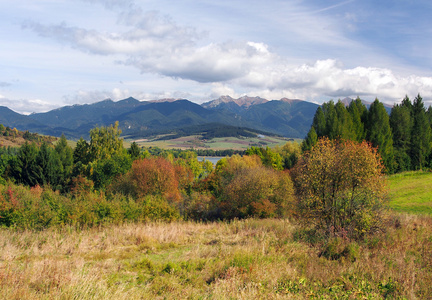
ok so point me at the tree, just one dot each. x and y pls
(105, 142)
(340, 188)
(379, 133)
(319, 122)
(332, 122)
(134, 151)
(150, 176)
(401, 123)
(81, 152)
(290, 153)
(245, 187)
(258, 192)
(310, 140)
(344, 128)
(104, 171)
(65, 153)
(358, 112)
(420, 135)
(49, 167)
(24, 167)
(268, 157)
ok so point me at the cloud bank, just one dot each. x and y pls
(155, 44)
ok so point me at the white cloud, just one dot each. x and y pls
(92, 96)
(156, 44)
(27, 106)
(330, 78)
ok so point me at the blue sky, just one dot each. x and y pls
(57, 52)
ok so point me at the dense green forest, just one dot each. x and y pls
(403, 138)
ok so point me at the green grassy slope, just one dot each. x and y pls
(411, 192)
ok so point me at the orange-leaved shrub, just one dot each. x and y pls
(243, 187)
(150, 176)
(341, 188)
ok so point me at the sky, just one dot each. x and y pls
(57, 52)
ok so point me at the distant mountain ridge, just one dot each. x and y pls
(285, 117)
(244, 101)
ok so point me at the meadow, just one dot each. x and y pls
(248, 259)
(240, 259)
(411, 192)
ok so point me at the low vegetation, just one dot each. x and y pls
(104, 222)
(246, 259)
(411, 192)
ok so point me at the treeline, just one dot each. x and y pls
(176, 153)
(101, 181)
(403, 138)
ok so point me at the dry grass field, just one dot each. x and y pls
(248, 259)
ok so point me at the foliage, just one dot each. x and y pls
(340, 188)
(260, 192)
(379, 133)
(150, 176)
(105, 142)
(421, 135)
(404, 140)
(134, 151)
(40, 208)
(290, 153)
(244, 187)
(268, 157)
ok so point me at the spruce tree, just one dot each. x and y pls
(332, 122)
(401, 123)
(379, 133)
(420, 135)
(319, 122)
(310, 141)
(358, 112)
(344, 122)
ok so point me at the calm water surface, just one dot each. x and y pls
(213, 159)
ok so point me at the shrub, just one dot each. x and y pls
(341, 188)
(246, 188)
(150, 176)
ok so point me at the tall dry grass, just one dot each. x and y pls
(249, 259)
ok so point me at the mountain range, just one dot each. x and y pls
(286, 117)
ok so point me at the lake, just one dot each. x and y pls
(213, 159)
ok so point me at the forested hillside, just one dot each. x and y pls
(139, 119)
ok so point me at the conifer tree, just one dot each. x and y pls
(344, 128)
(49, 168)
(310, 140)
(23, 167)
(319, 122)
(379, 133)
(331, 118)
(420, 135)
(401, 123)
(358, 112)
(65, 154)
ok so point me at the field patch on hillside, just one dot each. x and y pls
(196, 142)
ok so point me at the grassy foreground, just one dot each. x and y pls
(411, 192)
(250, 259)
